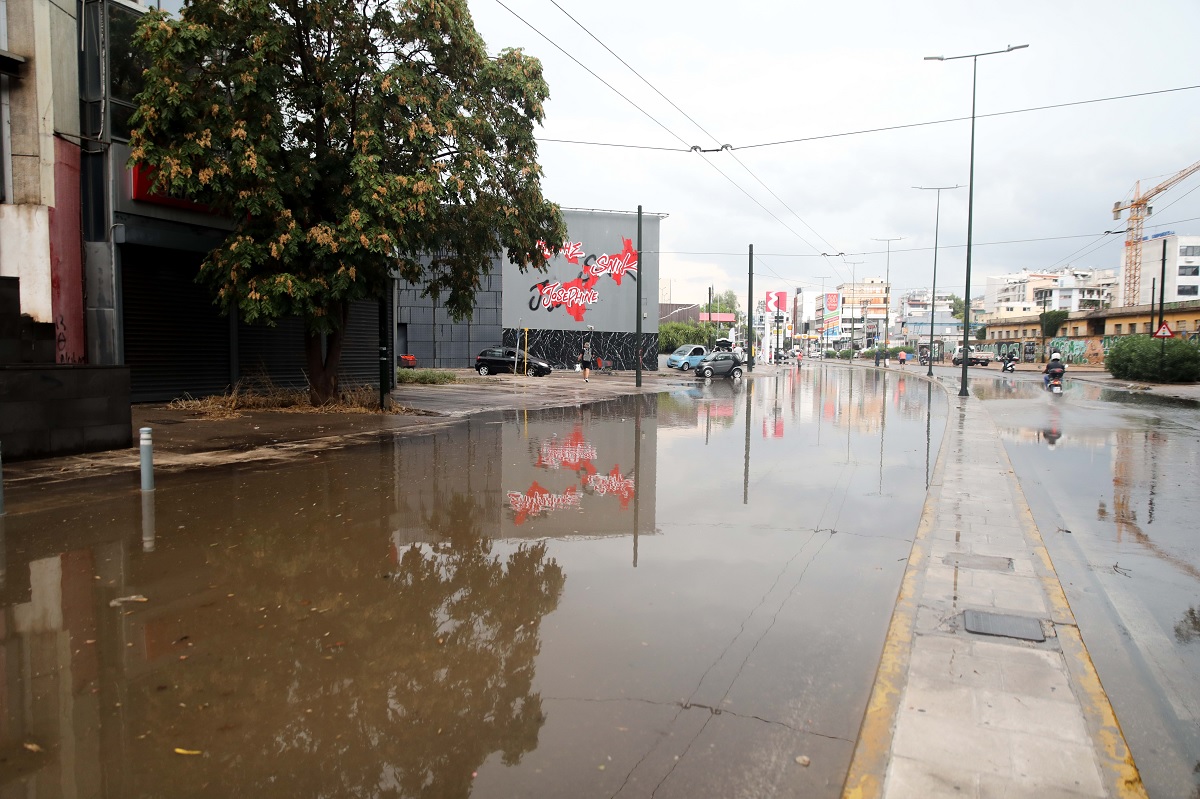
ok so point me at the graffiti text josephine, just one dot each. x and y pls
(557, 294)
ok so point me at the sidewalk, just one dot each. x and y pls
(985, 687)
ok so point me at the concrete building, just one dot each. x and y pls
(1076, 289)
(864, 311)
(1171, 259)
(916, 302)
(1006, 294)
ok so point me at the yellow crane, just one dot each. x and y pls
(1139, 209)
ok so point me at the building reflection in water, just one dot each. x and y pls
(363, 623)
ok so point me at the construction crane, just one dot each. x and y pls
(1139, 209)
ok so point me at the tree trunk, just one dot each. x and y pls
(323, 367)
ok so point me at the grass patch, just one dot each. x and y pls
(426, 376)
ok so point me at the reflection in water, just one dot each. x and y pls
(397, 619)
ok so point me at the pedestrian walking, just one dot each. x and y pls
(585, 358)
(878, 357)
(903, 358)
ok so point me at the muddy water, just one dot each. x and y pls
(675, 595)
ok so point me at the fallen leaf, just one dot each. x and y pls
(179, 751)
(33, 747)
(121, 600)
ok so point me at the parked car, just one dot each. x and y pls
(494, 360)
(686, 357)
(720, 364)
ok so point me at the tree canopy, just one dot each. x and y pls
(346, 141)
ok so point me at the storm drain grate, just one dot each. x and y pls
(1000, 624)
(992, 562)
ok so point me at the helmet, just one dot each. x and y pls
(1055, 357)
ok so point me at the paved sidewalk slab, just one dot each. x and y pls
(956, 713)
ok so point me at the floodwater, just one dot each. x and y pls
(677, 595)
(1111, 479)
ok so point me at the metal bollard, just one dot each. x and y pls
(147, 449)
(148, 530)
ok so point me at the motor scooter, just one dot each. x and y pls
(1009, 365)
(1055, 386)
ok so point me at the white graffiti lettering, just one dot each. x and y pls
(615, 265)
(554, 455)
(535, 503)
(557, 294)
(610, 484)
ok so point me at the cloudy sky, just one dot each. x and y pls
(756, 72)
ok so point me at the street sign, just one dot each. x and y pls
(1164, 331)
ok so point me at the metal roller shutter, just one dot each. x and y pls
(360, 351)
(274, 352)
(176, 341)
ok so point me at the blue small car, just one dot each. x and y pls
(686, 357)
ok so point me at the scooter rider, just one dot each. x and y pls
(1055, 368)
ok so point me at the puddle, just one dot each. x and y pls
(653, 593)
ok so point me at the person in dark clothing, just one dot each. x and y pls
(585, 358)
(1055, 368)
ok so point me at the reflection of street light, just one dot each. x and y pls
(962, 392)
(937, 216)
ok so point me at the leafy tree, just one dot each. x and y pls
(981, 333)
(725, 302)
(957, 306)
(344, 140)
(1051, 321)
(1146, 358)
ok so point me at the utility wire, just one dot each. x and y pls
(963, 119)
(891, 127)
(593, 74)
(696, 148)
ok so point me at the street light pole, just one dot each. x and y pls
(962, 392)
(887, 293)
(854, 288)
(937, 217)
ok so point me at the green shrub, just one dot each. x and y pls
(845, 355)
(1152, 360)
(427, 376)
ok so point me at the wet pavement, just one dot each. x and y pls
(1110, 478)
(680, 592)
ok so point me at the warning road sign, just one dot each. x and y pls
(1164, 331)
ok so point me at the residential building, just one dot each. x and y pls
(864, 313)
(1170, 268)
(916, 302)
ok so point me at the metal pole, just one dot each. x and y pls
(887, 295)
(384, 380)
(1162, 288)
(962, 391)
(937, 219)
(750, 315)
(638, 311)
(1, 480)
(147, 456)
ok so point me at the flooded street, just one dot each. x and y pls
(1110, 477)
(673, 595)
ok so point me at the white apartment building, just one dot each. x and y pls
(915, 302)
(1007, 293)
(864, 310)
(1180, 272)
(1078, 289)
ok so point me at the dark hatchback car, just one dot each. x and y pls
(505, 359)
(720, 364)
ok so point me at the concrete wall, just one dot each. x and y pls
(62, 410)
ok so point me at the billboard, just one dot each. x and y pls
(831, 315)
(592, 281)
